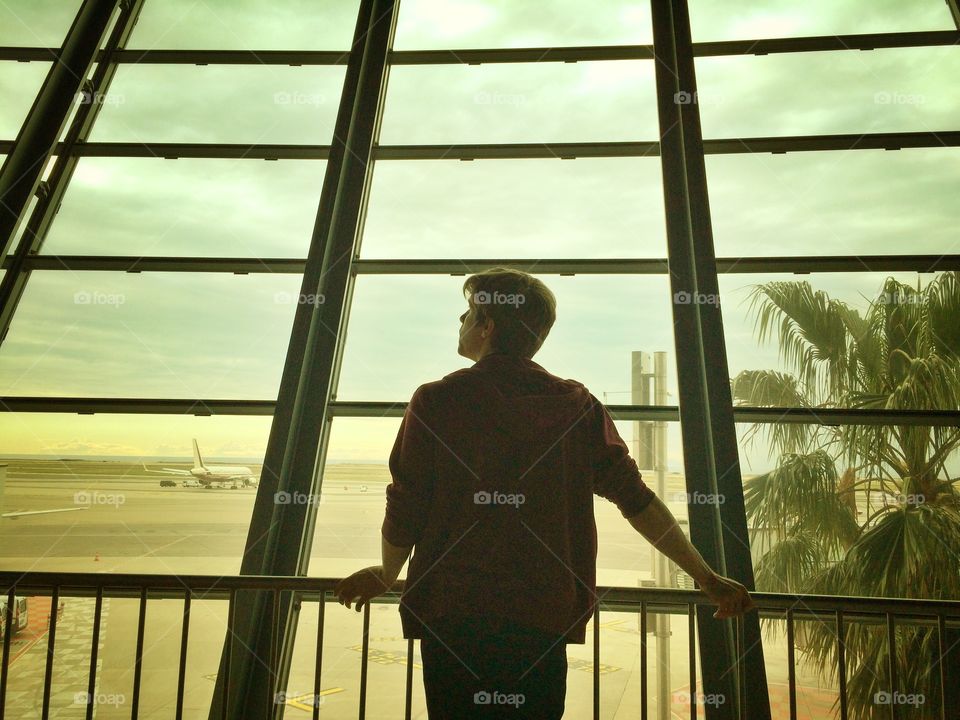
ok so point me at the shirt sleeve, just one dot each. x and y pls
(616, 475)
(413, 470)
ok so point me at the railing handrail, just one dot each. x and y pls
(220, 586)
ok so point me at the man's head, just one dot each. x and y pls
(508, 311)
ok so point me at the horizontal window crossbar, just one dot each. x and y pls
(516, 151)
(477, 56)
(375, 409)
(798, 264)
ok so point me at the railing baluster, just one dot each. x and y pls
(643, 660)
(7, 624)
(51, 640)
(842, 664)
(182, 671)
(791, 666)
(692, 648)
(942, 641)
(227, 652)
(596, 661)
(408, 707)
(319, 661)
(892, 664)
(363, 660)
(138, 665)
(94, 647)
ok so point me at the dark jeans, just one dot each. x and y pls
(472, 669)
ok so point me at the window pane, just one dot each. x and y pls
(224, 104)
(421, 315)
(19, 85)
(193, 335)
(188, 207)
(887, 90)
(511, 103)
(610, 207)
(102, 475)
(863, 202)
(247, 25)
(715, 20)
(36, 23)
(878, 367)
(441, 24)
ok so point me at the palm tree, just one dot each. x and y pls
(903, 353)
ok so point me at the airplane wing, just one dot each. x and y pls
(41, 512)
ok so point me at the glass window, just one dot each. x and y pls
(246, 25)
(515, 103)
(714, 20)
(838, 339)
(19, 85)
(862, 202)
(609, 207)
(885, 90)
(420, 315)
(36, 23)
(115, 493)
(441, 24)
(188, 207)
(220, 104)
(187, 335)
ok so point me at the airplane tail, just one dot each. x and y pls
(197, 460)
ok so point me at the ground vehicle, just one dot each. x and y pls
(19, 615)
(167, 483)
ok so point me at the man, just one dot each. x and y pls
(494, 471)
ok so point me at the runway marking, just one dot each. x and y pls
(383, 657)
(297, 700)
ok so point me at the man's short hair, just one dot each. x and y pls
(522, 308)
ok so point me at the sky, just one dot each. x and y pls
(223, 336)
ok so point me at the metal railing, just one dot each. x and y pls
(840, 612)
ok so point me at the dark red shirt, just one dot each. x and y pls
(494, 471)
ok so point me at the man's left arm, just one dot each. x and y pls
(408, 500)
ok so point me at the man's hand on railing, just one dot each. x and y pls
(731, 598)
(363, 586)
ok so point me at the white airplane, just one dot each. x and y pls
(211, 475)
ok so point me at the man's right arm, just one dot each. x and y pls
(658, 525)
